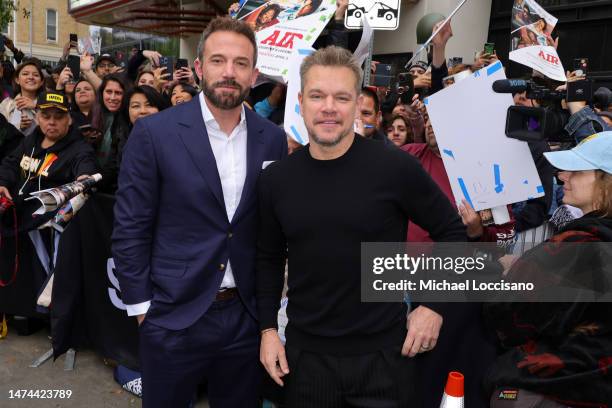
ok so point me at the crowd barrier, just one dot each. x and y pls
(86, 306)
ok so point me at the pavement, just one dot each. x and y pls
(91, 381)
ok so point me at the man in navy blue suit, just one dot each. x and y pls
(185, 225)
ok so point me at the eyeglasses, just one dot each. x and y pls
(109, 65)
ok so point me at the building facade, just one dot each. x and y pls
(41, 28)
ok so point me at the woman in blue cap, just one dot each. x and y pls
(557, 354)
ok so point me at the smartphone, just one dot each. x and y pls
(581, 64)
(74, 63)
(382, 75)
(74, 41)
(86, 128)
(181, 63)
(167, 62)
(489, 48)
(405, 87)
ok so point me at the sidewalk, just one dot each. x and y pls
(91, 382)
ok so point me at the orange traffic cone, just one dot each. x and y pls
(453, 393)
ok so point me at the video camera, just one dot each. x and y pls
(546, 122)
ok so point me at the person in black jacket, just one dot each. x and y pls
(53, 155)
(9, 137)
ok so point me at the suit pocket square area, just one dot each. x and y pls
(266, 163)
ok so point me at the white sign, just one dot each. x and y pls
(484, 166)
(532, 43)
(381, 15)
(293, 122)
(280, 24)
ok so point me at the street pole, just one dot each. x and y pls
(31, 18)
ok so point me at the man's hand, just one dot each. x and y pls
(66, 50)
(152, 56)
(422, 81)
(23, 102)
(443, 36)
(140, 318)
(4, 192)
(116, 69)
(160, 78)
(272, 352)
(185, 74)
(423, 329)
(86, 62)
(64, 77)
(341, 7)
(471, 220)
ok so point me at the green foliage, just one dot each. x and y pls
(6, 11)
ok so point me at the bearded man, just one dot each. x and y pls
(185, 230)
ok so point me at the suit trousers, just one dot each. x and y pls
(380, 379)
(221, 348)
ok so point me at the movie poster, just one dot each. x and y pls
(532, 42)
(280, 24)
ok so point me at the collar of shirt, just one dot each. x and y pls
(210, 120)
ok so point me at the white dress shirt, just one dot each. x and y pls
(230, 153)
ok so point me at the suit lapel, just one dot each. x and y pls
(255, 157)
(195, 138)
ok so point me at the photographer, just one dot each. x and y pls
(584, 121)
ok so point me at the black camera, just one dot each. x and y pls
(537, 124)
(548, 121)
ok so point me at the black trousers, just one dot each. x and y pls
(382, 379)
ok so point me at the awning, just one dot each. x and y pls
(163, 17)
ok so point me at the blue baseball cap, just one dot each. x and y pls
(593, 153)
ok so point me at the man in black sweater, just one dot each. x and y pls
(318, 206)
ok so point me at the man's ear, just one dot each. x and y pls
(300, 97)
(254, 77)
(198, 68)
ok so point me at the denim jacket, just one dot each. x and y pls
(585, 123)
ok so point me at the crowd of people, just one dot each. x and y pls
(204, 238)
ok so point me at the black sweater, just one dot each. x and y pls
(319, 211)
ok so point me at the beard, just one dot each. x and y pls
(225, 100)
(327, 142)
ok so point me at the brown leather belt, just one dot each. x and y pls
(226, 294)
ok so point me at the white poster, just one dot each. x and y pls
(484, 166)
(280, 24)
(381, 15)
(293, 122)
(532, 43)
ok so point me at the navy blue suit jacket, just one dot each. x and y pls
(172, 237)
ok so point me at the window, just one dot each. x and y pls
(51, 25)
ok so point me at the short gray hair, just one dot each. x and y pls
(231, 25)
(332, 56)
